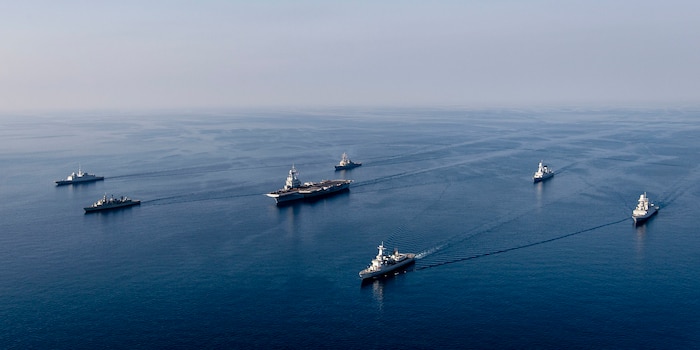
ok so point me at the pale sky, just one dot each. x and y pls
(133, 55)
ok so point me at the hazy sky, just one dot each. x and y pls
(174, 54)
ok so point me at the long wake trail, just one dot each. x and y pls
(476, 256)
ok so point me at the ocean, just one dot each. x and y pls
(207, 261)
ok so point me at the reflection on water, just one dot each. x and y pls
(378, 293)
(538, 193)
(641, 229)
(641, 238)
(208, 233)
(286, 215)
(382, 285)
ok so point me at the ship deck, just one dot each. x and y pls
(312, 186)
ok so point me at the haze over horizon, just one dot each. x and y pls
(133, 55)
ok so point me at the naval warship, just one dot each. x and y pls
(644, 209)
(111, 203)
(383, 264)
(543, 173)
(79, 177)
(346, 163)
(294, 190)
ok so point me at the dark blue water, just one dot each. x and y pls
(207, 261)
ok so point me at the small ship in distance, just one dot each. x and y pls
(383, 264)
(644, 209)
(543, 173)
(346, 163)
(79, 177)
(111, 203)
(294, 190)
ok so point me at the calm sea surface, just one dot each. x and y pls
(207, 261)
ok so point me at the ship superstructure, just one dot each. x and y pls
(383, 264)
(346, 163)
(79, 177)
(111, 203)
(543, 173)
(644, 210)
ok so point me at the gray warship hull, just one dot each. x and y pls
(347, 166)
(310, 190)
(542, 178)
(638, 220)
(114, 206)
(79, 181)
(388, 269)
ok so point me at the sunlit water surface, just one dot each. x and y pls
(207, 261)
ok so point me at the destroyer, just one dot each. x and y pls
(346, 163)
(294, 190)
(79, 177)
(543, 173)
(383, 264)
(111, 203)
(644, 209)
